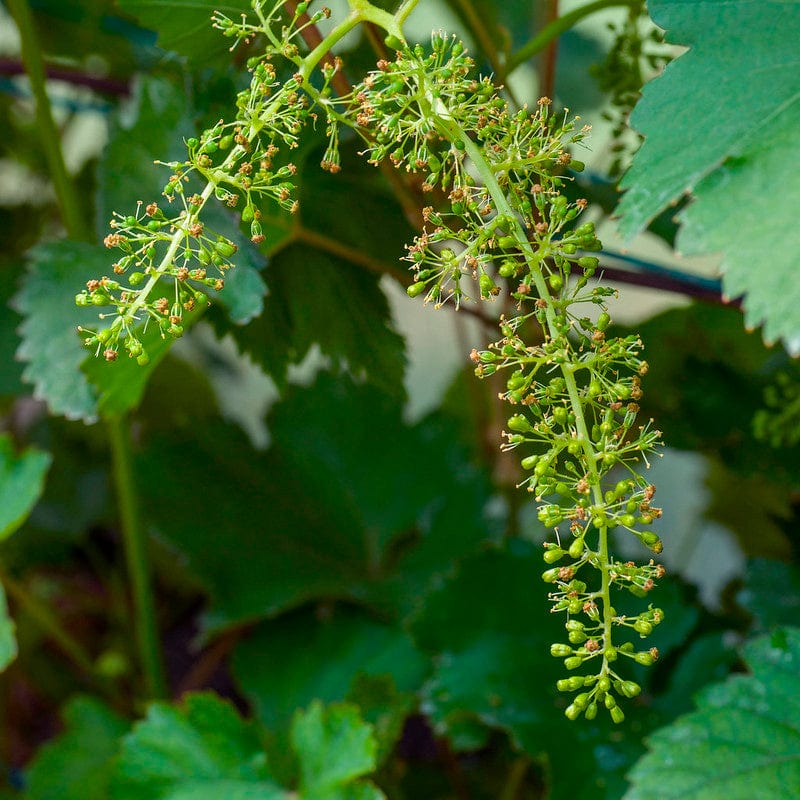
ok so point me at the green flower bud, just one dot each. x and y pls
(558, 650)
(630, 689)
(553, 554)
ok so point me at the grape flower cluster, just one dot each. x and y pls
(499, 219)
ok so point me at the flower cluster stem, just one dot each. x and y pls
(453, 130)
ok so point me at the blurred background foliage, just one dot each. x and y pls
(328, 513)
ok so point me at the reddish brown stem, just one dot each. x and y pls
(550, 55)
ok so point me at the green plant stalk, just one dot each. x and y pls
(559, 26)
(135, 542)
(450, 128)
(68, 201)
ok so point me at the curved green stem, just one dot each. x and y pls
(68, 201)
(137, 560)
(559, 26)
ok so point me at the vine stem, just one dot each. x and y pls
(135, 542)
(557, 27)
(550, 55)
(68, 201)
(450, 127)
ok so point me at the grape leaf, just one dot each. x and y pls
(323, 260)
(336, 748)
(742, 742)
(77, 764)
(308, 514)
(185, 25)
(50, 345)
(21, 483)
(174, 750)
(721, 122)
(120, 384)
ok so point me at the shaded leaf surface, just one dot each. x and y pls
(487, 651)
(742, 743)
(705, 383)
(329, 656)
(771, 593)
(185, 25)
(722, 123)
(307, 520)
(324, 260)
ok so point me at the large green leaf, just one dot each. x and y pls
(50, 345)
(185, 25)
(229, 790)
(335, 748)
(174, 750)
(722, 122)
(308, 514)
(74, 381)
(77, 765)
(742, 743)
(21, 483)
(324, 261)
